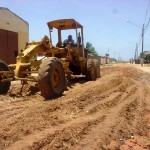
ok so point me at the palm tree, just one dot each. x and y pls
(91, 49)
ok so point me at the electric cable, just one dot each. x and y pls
(148, 6)
(147, 25)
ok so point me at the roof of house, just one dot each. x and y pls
(146, 52)
(112, 59)
(4, 8)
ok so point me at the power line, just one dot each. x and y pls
(144, 29)
(147, 24)
(148, 6)
(140, 38)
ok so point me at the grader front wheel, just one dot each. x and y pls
(90, 73)
(97, 68)
(4, 86)
(51, 78)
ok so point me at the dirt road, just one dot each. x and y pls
(90, 115)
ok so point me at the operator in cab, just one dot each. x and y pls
(68, 41)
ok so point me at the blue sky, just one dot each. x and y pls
(104, 21)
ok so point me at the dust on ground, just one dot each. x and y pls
(112, 112)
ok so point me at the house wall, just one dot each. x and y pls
(104, 60)
(16, 27)
(8, 46)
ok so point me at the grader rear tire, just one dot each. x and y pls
(90, 71)
(97, 68)
(4, 86)
(51, 78)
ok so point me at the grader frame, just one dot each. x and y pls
(55, 67)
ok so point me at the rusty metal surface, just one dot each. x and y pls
(8, 46)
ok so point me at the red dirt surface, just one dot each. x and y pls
(112, 112)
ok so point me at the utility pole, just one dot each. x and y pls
(136, 54)
(108, 52)
(119, 58)
(142, 54)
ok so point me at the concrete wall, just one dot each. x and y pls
(104, 60)
(107, 60)
(11, 22)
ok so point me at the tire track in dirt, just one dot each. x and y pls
(120, 129)
(88, 116)
(112, 100)
(130, 105)
(36, 138)
(135, 123)
(16, 112)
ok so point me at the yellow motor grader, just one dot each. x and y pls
(57, 64)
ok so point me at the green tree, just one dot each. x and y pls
(107, 54)
(91, 49)
(141, 55)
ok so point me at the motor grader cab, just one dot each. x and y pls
(56, 66)
(77, 54)
(69, 24)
